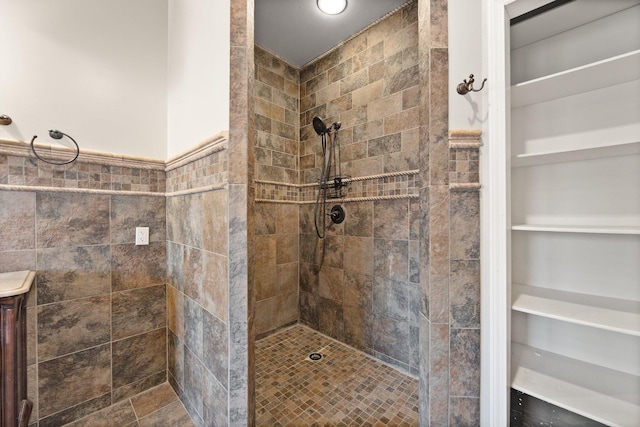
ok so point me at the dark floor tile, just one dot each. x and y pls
(153, 399)
(120, 414)
(172, 415)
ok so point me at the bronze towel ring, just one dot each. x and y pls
(56, 134)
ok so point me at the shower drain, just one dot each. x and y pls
(315, 356)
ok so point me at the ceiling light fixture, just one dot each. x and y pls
(332, 7)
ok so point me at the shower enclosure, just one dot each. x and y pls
(348, 269)
(388, 86)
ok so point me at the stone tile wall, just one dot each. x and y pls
(370, 84)
(276, 160)
(365, 293)
(276, 105)
(197, 303)
(276, 265)
(96, 314)
(449, 270)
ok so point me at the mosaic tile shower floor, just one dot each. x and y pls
(345, 388)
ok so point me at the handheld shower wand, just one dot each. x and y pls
(331, 181)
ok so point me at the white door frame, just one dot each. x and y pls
(494, 223)
(495, 217)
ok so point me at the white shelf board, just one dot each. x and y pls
(577, 229)
(599, 74)
(605, 395)
(587, 153)
(610, 314)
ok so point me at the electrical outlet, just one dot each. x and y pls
(142, 235)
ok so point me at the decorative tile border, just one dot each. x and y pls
(464, 160)
(92, 171)
(205, 168)
(392, 185)
(202, 168)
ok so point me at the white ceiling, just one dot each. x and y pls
(297, 31)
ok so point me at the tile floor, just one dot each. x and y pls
(156, 407)
(345, 388)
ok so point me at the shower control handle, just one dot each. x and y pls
(337, 214)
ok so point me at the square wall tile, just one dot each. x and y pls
(136, 266)
(138, 357)
(137, 311)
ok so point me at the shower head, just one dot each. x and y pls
(319, 126)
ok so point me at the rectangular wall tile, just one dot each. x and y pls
(216, 348)
(72, 272)
(465, 294)
(465, 225)
(465, 362)
(129, 212)
(439, 374)
(215, 402)
(71, 219)
(391, 259)
(138, 357)
(71, 326)
(17, 220)
(135, 266)
(76, 412)
(69, 380)
(193, 334)
(137, 311)
(216, 221)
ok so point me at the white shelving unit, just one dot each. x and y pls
(610, 314)
(601, 151)
(577, 229)
(575, 209)
(600, 74)
(605, 395)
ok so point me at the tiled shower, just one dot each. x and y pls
(400, 277)
(366, 291)
(418, 313)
